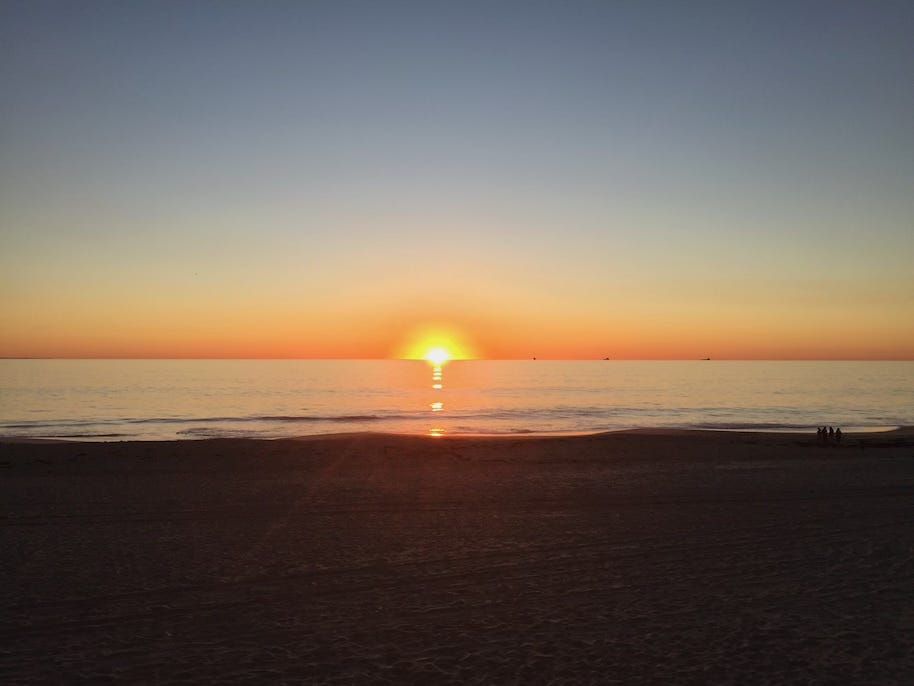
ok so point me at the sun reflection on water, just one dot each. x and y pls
(436, 405)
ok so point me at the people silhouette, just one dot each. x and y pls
(838, 435)
(831, 434)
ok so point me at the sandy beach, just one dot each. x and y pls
(634, 557)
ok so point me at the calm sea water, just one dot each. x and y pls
(168, 399)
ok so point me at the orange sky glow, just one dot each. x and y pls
(250, 335)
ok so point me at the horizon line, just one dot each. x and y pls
(481, 359)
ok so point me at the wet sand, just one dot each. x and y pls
(637, 557)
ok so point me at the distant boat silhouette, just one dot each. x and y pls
(605, 358)
(706, 359)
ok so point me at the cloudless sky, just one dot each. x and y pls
(561, 179)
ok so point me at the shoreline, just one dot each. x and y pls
(850, 434)
(853, 432)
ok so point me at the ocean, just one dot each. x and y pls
(191, 399)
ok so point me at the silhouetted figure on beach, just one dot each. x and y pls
(831, 434)
(838, 435)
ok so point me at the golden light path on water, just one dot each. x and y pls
(437, 386)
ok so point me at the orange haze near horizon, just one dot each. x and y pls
(557, 335)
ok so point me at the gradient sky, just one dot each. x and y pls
(560, 179)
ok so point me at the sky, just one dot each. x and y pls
(572, 179)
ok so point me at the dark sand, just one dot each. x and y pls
(640, 557)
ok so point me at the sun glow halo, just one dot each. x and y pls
(437, 355)
(435, 344)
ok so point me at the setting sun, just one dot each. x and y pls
(437, 355)
(435, 343)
